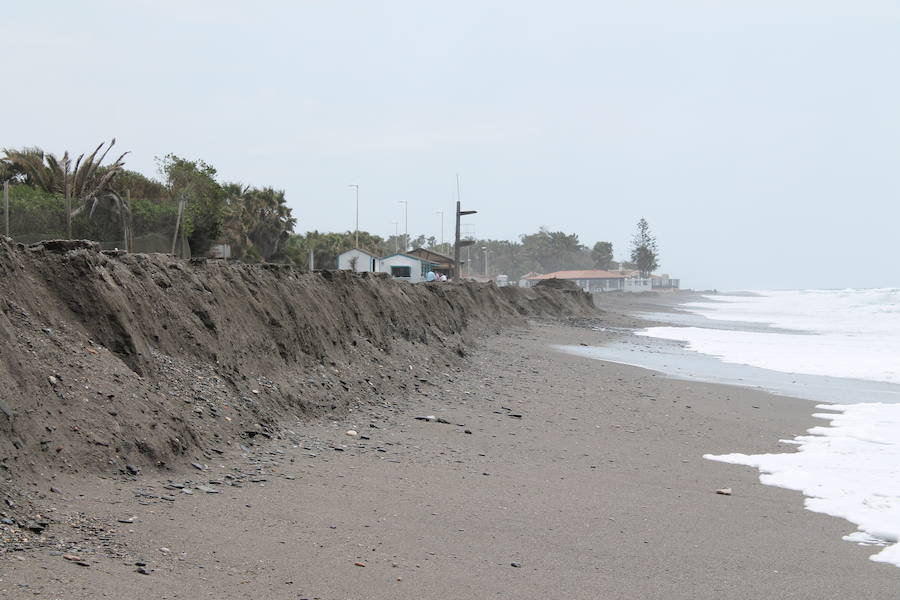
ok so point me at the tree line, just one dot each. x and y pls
(548, 251)
(62, 196)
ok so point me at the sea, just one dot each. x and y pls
(838, 347)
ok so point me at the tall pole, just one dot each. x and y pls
(458, 243)
(355, 185)
(396, 235)
(6, 204)
(456, 268)
(440, 212)
(484, 249)
(126, 228)
(68, 201)
(405, 204)
(177, 223)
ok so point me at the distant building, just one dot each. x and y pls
(220, 251)
(357, 260)
(405, 267)
(525, 280)
(440, 263)
(664, 282)
(595, 280)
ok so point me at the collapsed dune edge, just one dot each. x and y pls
(115, 363)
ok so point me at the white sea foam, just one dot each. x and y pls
(848, 333)
(850, 470)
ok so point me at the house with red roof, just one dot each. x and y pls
(596, 280)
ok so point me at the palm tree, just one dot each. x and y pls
(259, 220)
(87, 183)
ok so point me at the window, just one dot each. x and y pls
(400, 272)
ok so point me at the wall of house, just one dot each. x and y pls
(637, 284)
(363, 262)
(415, 267)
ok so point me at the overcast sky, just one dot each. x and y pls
(760, 139)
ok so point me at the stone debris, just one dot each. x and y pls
(724, 491)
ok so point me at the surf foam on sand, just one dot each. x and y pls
(850, 469)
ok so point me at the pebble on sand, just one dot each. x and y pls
(724, 491)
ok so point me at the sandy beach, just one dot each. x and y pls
(555, 476)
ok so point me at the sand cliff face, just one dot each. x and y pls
(139, 361)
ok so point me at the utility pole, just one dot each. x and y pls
(177, 223)
(484, 249)
(405, 204)
(68, 198)
(6, 204)
(458, 243)
(129, 234)
(440, 212)
(355, 185)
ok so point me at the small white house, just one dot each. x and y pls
(404, 267)
(357, 260)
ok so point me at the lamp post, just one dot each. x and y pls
(356, 185)
(396, 236)
(405, 204)
(440, 212)
(457, 241)
(484, 249)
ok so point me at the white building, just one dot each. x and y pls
(637, 284)
(405, 267)
(357, 260)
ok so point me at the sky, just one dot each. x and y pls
(759, 138)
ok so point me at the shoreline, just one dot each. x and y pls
(597, 489)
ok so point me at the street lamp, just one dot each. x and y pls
(396, 224)
(405, 204)
(354, 185)
(440, 212)
(484, 249)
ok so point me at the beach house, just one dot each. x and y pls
(592, 280)
(596, 280)
(440, 262)
(405, 267)
(357, 260)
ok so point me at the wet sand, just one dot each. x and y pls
(597, 490)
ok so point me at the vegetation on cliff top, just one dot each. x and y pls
(55, 197)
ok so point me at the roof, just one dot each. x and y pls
(418, 258)
(588, 274)
(358, 250)
(446, 258)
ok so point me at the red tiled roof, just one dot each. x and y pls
(589, 274)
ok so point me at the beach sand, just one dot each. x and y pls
(598, 489)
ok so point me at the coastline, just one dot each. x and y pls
(598, 489)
